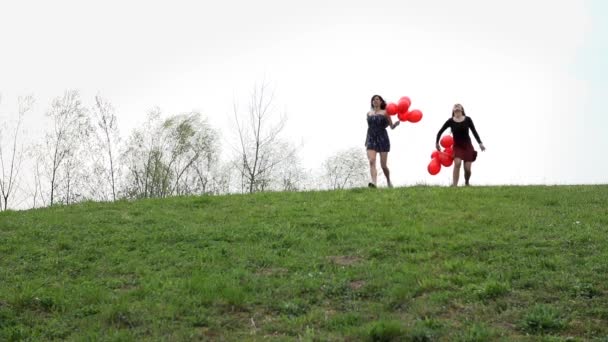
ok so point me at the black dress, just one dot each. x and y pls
(377, 136)
(463, 148)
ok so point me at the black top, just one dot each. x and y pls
(460, 130)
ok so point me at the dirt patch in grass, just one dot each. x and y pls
(344, 260)
(357, 284)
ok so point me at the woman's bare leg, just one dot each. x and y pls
(371, 156)
(467, 172)
(456, 172)
(384, 165)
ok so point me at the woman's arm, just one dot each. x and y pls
(390, 121)
(472, 126)
(443, 128)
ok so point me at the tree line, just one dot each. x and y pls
(83, 157)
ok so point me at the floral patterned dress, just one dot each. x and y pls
(377, 136)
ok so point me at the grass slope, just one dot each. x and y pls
(417, 263)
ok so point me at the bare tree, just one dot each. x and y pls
(106, 140)
(345, 169)
(76, 176)
(211, 176)
(166, 157)
(63, 153)
(190, 140)
(37, 193)
(258, 155)
(11, 159)
(222, 178)
(289, 175)
(141, 158)
(203, 173)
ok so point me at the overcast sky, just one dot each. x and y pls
(531, 74)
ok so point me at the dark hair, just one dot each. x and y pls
(382, 102)
(463, 113)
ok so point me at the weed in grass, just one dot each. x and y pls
(428, 284)
(87, 310)
(121, 317)
(420, 334)
(15, 333)
(344, 320)
(542, 319)
(491, 290)
(584, 290)
(40, 303)
(378, 253)
(476, 332)
(310, 335)
(401, 296)
(57, 329)
(295, 307)
(386, 331)
(600, 313)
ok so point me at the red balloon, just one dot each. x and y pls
(414, 115)
(391, 108)
(450, 152)
(434, 167)
(404, 104)
(435, 154)
(445, 159)
(403, 116)
(447, 141)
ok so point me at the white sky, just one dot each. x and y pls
(531, 74)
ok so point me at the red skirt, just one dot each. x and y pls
(465, 151)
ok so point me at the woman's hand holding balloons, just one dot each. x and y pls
(439, 158)
(401, 109)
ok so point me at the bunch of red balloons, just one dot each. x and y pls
(445, 157)
(401, 108)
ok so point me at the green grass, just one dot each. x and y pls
(415, 264)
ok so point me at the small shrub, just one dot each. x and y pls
(491, 290)
(386, 331)
(543, 319)
(475, 333)
(425, 330)
(584, 290)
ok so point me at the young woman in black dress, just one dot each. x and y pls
(460, 124)
(377, 140)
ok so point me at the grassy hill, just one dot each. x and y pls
(417, 263)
